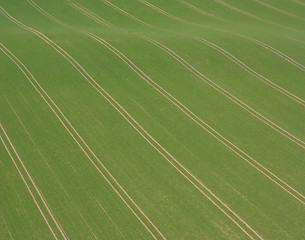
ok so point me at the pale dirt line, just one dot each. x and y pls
(75, 64)
(107, 93)
(72, 63)
(166, 150)
(210, 192)
(29, 135)
(277, 52)
(297, 40)
(84, 150)
(5, 224)
(164, 12)
(277, 9)
(23, 208)
(204, 123)
(87, 224)
(27, 186)
(76, 6)
(290, 60)
(36, 188)
(232, 97)
(126, 13)
(116, 227)
(241, 11)
(196, 8)
(90, 14)
(236, 146)
(79, 9)
(298, 2)
(32, 140)
(45, 13)
(266, 46)
(253, 72)
(44, 199)
(202, 11)
(252, 15)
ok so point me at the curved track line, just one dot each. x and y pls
(298, 2)
(199, 121)
(180, 165)
(201, 11)
(151, 81)
(126, 60)
(70, 132)
(7, 228)
(110, 219)
(166, 49)
(265, 120)
(135, 124)
(165, 13)
(90, 14)
(80, 9)
(45, 13)
(278, 10)
(252, 72)
(126, 13)
(1, 9)
(33, 183)
(118, 53)
(231, 96)
(222, 3)
(273, 50)
(196, 8)
(296, 40)
(241, 11)
(77, 66)
(51, 170)
(253, 16)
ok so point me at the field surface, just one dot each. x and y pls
(152, 119)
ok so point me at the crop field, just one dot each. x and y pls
(152, 119)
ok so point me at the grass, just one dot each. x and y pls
(156, 152)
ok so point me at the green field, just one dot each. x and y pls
(157, 119)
